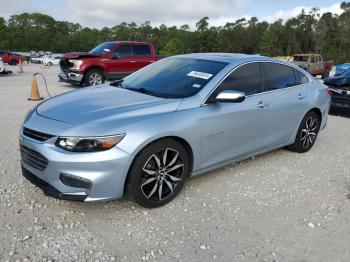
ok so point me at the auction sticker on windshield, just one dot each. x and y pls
(202, 75)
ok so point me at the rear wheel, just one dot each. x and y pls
(307, 133)
(94, 77)
(158, 173)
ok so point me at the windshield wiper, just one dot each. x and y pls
(146, 91)
(117, 83)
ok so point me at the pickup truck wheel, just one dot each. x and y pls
(13, 62)
(94, 77)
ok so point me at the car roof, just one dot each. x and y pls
(127, 42)
(230, 58)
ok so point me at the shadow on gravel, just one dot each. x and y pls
(339, 112)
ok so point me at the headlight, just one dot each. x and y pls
(76, 64)
(88, 144)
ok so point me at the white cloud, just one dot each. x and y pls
(286, 14)
(100, 13)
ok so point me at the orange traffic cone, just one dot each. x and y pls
(20, 65)
(35, 95)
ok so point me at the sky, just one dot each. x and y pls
(101, 13)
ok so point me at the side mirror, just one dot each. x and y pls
(228, 96)
(115, 56)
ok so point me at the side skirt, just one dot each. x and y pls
(232, 161)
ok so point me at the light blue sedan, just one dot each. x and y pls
(179, 117)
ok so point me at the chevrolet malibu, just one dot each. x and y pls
(179, 117)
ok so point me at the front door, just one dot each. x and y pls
(234, 130)
(120, 64)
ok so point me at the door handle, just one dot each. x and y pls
(262, 104)
(104, 60)
(301, 96)
(132, 61)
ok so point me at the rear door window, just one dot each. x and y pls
(277, 76)
(141, 50)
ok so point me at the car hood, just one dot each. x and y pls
(102, 104)
(78, 55)
(337, 81)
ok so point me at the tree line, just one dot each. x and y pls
(308, 32)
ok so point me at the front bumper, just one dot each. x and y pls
(71, 77)
(106, 171)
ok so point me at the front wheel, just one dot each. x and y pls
(158, 173)
(307, 133)
(13, 62)
(94, 77)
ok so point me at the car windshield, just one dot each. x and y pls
(301, 58)
(174, 77)
(346, 73)
(102, 48)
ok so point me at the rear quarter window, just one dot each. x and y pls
(300, 78)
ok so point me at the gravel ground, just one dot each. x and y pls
(280, 206)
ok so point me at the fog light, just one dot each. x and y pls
(75, 181)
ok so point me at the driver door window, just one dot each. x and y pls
(246, 79)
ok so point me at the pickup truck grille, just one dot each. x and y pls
(33, 158)
(36, 135)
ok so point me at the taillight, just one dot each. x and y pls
(330, 92)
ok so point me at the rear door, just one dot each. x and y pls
(287, 92)
(142, 56)
(233, 130)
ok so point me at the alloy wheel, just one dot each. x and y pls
(161, 174)
(95, 79)
(309, 132)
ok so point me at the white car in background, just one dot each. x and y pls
(51, 60)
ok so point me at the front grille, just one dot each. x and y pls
(36, 135)
(33, 158)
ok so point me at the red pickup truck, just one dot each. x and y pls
(109, 60)
(10, 58)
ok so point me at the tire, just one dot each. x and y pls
(49, 64)
(307, 133)
(94, 77)
(13, 62)
(150, 181)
